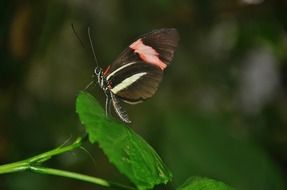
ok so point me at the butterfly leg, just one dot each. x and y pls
(108, 106)
(119, 110)
(107, 109)
(89, 85)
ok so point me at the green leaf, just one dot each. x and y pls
(124, 148)
(200, 183)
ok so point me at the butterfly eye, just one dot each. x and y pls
(98, 70)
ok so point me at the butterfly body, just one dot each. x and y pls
(136, 74)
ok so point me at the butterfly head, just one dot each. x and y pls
(98, 71)
(100, 78)
(99, 75)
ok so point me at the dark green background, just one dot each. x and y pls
(220, 112)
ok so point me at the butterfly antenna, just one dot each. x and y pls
(81, 41)
(92, 46)
(86, 50)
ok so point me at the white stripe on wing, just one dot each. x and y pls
(127, 82)
(118, 69)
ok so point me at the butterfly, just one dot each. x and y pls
(136, 74)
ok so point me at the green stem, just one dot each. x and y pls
(82, 177)
(33, 162)
(14, 167)
(25, 164)
(47, 155)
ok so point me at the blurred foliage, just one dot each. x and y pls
(220, 111)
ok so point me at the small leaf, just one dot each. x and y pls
(124, 148)
(200, 183)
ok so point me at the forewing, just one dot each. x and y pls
(162, 41)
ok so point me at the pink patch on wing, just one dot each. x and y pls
(147, 53)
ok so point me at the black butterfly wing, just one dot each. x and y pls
(136, 74)
(163, 41)
(136, 82)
